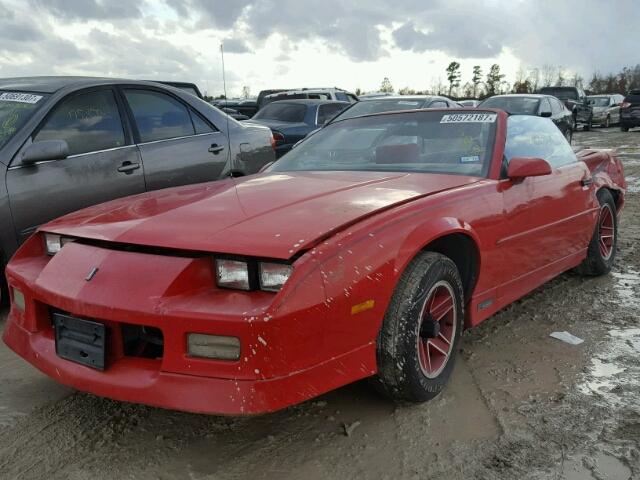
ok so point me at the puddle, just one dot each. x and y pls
(600, 467)
(633, 184)
(626, 285)
(614, 373)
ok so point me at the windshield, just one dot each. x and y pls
(426, 141)
(599, 101)
(514, 105)
(282, 112)
(380, 105)
(561, 93)
(15, 109)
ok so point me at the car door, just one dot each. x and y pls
(103, 163)
(614, 109)
(548, 218)
(177, 145)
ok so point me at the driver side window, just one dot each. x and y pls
(529, 136)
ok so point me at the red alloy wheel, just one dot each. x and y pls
(437, 329)
(607, 232)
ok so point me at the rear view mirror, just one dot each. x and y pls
(522, 167)
(545, 114)
(45, 150)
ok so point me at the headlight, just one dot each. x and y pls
(274, 275)
(53, 242)
(232, 274)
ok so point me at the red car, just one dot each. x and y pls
(364, 252)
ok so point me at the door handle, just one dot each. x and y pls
(586, 182)
(128, 167)
(215, 148)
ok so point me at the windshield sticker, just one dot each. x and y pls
(469, 118)
(405, 102)
(20, 97)
(472, 159)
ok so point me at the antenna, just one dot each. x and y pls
(226, 105)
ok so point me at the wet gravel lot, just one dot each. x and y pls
(521, 405)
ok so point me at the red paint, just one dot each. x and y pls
(351, 235)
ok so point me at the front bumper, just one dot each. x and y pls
(282, 361)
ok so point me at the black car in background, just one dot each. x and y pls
(537, 105)
(576, 102)
(188, 87)
(292, 120)
(70, 142)
(371, 105)
(630, 111)
(237, 107)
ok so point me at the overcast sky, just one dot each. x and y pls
(292, 43)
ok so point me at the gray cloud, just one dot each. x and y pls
(92, 9)
(235, 45)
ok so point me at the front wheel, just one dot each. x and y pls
(418, 341)
(607, 122)
(568, 134)
(587, 126)
(624, 128)
(603, 246)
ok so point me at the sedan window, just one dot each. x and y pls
(15, 109)
(159, 116)
(283, 112)
(514, 105)
(88, 122)
(529, 136)
(328, 111)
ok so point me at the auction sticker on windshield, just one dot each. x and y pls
(20, 97)
(469, 118)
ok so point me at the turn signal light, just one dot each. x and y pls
(213, 346)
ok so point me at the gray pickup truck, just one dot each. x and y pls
(576, 101)
(70, 142)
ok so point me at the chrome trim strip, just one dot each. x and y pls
(13, 167)
(178, 138)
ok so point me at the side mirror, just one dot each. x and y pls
(45, 150)
(545, 114)
(522, 167)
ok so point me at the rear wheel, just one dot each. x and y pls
(602, 249)
(624, 128)
(418, 341)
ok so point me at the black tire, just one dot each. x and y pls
(401, 375)
(568, 134)
(587, 126)
(607, 122)
(597, 263)
(624, 128)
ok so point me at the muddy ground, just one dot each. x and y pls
(521, 405)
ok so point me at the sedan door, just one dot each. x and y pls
(178, 146)
(103, 164)
(548, 219)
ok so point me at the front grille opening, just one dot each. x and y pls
(142, 341)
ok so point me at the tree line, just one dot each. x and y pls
(526, 81)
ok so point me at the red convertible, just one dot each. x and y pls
(364, 252)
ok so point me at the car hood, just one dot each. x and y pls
(274, 214)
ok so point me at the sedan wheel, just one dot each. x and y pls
(607, 122)
(418, 341)
(568, 134)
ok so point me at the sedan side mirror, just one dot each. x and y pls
(522, 167)
(45, 150)
(545, 114)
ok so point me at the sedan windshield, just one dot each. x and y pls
(283, 112)
(514, 105)
(599, 101)
(379, 105)
(15, 109)
(426, 141)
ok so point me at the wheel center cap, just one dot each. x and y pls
(430, 328)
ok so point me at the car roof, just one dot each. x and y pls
(53, 84)
(520, 95)
(401, 97)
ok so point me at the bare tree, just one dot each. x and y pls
(548, 75)
(246, 92)
(534, 79)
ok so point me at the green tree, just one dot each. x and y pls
(476, 79)
(386, 86)
(494, 80)
(453, 76)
